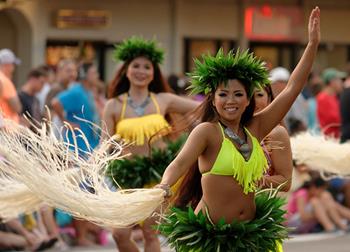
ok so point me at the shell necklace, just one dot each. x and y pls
(243, 146)
(139, 109)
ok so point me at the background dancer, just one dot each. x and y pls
(276, 146)
(138, 108)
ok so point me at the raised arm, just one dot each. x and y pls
(193, 148)
(274, 113)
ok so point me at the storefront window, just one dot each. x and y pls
(80, 51)
(194, 48)
(276, 54)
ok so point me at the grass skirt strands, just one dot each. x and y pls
(61, 178)
(320, 153)
(16, 199)
(143, 171)
(188, 232)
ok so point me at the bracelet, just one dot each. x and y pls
(166, 188)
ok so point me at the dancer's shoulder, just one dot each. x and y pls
(279, 133)
(207, 128)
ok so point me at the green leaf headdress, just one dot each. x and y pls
(220, 68)
(135, 47)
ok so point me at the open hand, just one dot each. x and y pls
(314, 26)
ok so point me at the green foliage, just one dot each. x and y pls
(135, 47)
(189, 232)
(218, 69)
(141, 171)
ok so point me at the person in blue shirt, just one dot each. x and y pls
(76, 105)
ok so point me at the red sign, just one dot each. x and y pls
(274, 23)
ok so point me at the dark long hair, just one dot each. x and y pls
(190, 189)
(121, 83)
(269, 92)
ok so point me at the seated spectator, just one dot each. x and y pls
(80, 232)
(34, 223)
(10, 240)
(15, 236)
(313, 204)
(340, 189)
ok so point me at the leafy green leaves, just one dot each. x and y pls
(141, 171)
(189, 232)
(218, 69)
(137, 46)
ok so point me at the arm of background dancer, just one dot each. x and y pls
(179, 104)
(281, 160)
(193, 148)
(108, 121)
(274, 113)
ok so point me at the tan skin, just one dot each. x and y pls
(222, 195)
(281, 157)
(140, 73)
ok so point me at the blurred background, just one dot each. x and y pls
(45, 31)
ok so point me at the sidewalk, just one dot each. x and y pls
(320, 242)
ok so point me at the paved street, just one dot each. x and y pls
(337, 242)
(319, 242)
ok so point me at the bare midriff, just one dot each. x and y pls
(224, 198)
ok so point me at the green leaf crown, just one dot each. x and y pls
(214, 70)
(135, 47)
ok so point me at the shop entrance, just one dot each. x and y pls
(276, 54)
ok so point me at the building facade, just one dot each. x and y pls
(43, 31)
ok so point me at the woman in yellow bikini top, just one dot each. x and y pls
(139, 100)
(137, 130)
(139, 97)
(230, 162)
(228, 214)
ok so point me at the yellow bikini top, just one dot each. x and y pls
(230, 162)
(138, 129)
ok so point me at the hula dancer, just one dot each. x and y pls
(276, 146)
(223, 159)
(138, 108)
